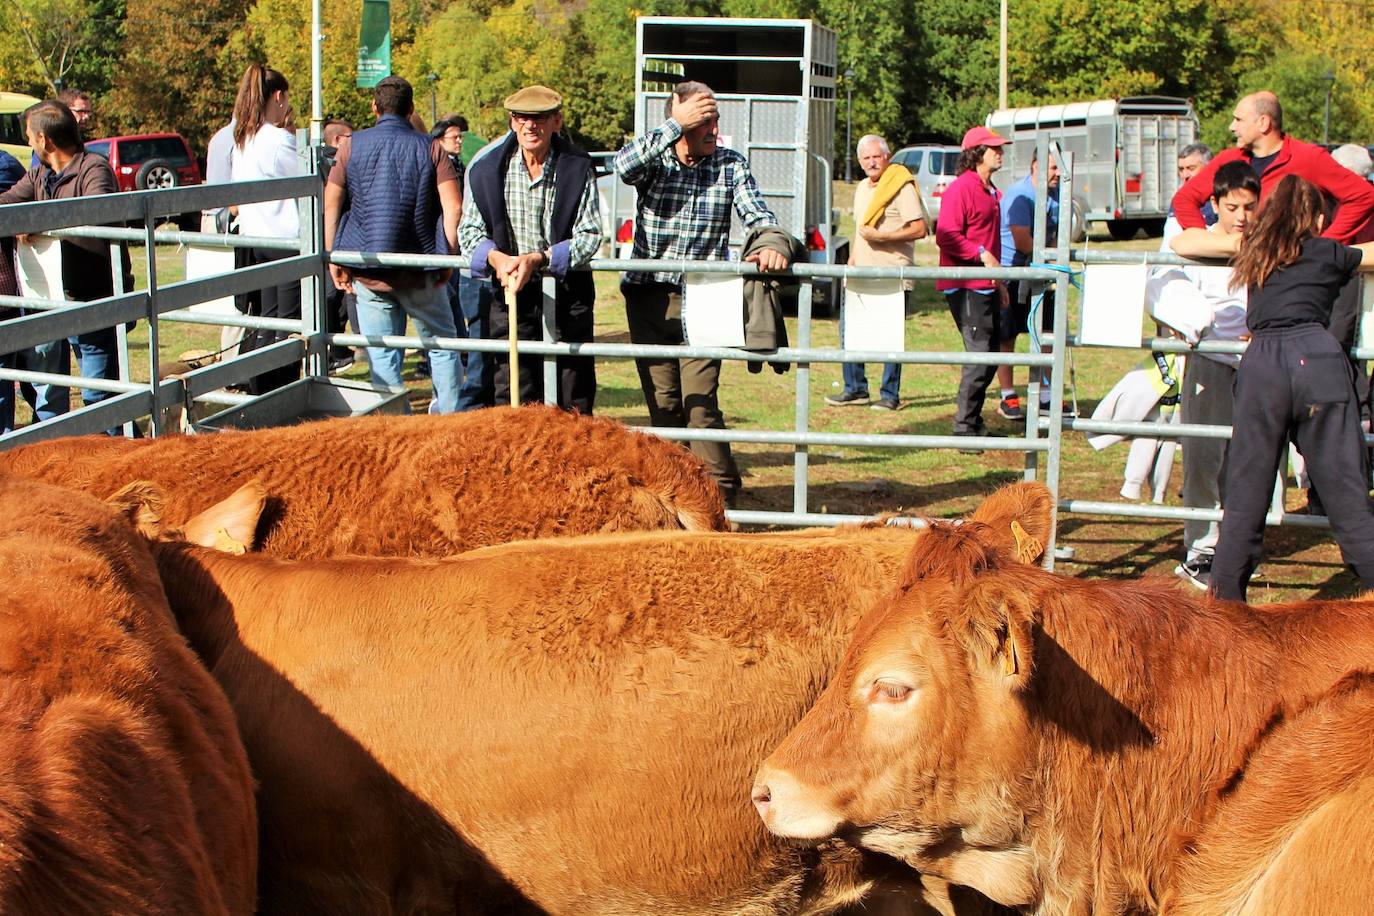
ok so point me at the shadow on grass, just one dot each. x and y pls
(874, 497)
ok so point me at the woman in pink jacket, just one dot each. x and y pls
(969, 234)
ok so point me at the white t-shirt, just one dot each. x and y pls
(269, 153)
(1198, 302)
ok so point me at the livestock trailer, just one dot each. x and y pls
(1125, 155)
(774, 80)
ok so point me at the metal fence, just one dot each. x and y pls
(1041, 442)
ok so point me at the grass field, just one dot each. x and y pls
(1298, 562)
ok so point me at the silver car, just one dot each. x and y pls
(934, 167)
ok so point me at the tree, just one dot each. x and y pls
(1298, 79)
(47, 44)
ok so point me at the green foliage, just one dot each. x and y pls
(1298, 78)
(48, 44)
(956, 64)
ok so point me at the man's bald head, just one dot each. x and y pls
(1257, 123)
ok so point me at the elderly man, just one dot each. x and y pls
(533, 207)
(1257, 124)
(890, 218)
(687, 185)
(386, 192)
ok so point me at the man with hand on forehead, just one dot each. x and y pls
(533, 207)
(687, 185)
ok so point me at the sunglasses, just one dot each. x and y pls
(539, 118)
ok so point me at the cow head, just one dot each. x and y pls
(918, 746)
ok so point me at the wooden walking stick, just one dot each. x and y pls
(514, 373)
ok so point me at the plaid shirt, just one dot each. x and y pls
(684, 212)
(529, 205)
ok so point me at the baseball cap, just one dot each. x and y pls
(981, 136)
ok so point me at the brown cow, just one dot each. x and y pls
(1094, 747)
(561, 726)
(408, 486)
(124, 787)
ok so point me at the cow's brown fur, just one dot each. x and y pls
(408, 486)
(1092, 747)
(124, 787)
(564, 726)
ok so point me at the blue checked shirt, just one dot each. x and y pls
(684, 212)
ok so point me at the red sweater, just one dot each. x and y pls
(969, 216)
(1353, 195)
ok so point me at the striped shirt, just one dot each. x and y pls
(684, 211)
(529, 206)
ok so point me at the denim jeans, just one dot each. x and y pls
(856, 382)
(48, 401)
(384, 313)
(474, 298)
(96, 358)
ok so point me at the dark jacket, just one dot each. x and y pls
(764, 328)
(85, 262)
(393, 201)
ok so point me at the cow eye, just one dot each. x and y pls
(886, 690)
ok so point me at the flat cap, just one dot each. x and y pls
(534, 100)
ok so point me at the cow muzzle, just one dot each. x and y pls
(790, 809)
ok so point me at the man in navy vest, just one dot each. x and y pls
(384, 194)
(532, 206)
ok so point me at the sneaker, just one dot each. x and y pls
(340, 364)
(1196, 572)
(1010, 408)
(885, 404)
(847, 399)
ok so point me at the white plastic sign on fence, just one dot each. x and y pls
(713, 310)
(40, 267)
(874, 315)
(210, 262)
(1113, 304)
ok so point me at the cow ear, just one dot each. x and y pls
(999, 633)
(231, 524)
(1020, 518)
(141, 503)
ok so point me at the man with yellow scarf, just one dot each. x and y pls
(889, 218)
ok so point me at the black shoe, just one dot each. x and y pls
(886, 404)
(422, 368)
(847, 399)
(1196, 572)
(970, 450)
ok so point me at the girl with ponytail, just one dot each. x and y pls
(264, 149)
(1295, 381)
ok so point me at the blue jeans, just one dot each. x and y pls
(385, 313)
(474, 297)
(856, 382)
(96, 358)
(48, 401)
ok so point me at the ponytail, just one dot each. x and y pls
(256, 87)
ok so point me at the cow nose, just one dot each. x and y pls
(762, 798)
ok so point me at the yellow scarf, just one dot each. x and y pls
(890, 184)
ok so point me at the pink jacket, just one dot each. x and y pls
(970, 216)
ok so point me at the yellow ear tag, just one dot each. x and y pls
(226, 542)
(1009, 666)
(1028, 549)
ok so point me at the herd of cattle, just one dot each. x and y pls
(515, 662)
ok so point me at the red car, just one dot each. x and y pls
(146, 162)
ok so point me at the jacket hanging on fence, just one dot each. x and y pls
(763, 324)
(1148, 393)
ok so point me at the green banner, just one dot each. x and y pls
(374, 43)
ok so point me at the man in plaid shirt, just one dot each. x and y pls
(687, 186)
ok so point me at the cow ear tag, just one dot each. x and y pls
(1027, 547)
(227, 543)
(1009, 664)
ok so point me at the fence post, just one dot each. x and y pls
(1061, 337)
(801, 454)
(1039, 232)
(156, 417)
(548, 286)
(121, 329)
(314, 302)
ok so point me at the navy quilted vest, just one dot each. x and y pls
(393, 204)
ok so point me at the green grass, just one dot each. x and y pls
(1298, 562)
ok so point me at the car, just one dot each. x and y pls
(12, 137)
(148, 162)
(934, 167)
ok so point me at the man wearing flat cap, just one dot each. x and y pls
(969, 234)
(533, 207)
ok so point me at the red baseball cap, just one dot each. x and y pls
(981, 136)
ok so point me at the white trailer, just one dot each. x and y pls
(1125, 155)
(774, 80)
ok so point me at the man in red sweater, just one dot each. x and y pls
(1260, 141)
